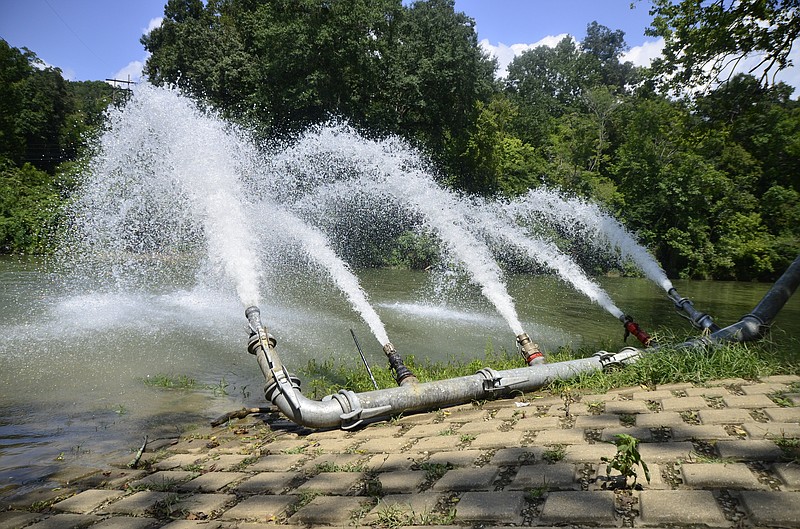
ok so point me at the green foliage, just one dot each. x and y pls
(626, 459)
(29, 204)
(414, 251)
(711, 185)
(702, 39)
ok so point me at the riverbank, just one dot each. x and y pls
(721, 454)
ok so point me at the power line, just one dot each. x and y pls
(74, 33)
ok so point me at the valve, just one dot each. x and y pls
(402, 374)
(529, 350)
(633, 328)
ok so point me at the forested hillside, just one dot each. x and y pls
(710, 181)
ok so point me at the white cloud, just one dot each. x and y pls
(132, 71)
(505, 54)
(154, 23)
(643, 55)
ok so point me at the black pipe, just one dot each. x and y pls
(754, 325)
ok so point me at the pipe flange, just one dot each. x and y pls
(494, 381)
(610, 361)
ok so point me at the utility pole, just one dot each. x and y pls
(126, 90)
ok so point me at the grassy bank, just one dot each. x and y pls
(747, 361)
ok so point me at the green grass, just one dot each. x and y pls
(747, 361)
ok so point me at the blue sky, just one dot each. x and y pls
(99, 39)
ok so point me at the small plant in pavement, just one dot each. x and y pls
(626, 459)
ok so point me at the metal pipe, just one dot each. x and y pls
(633, 328)
(529, 350)
(347, 409)
(752, 326)
(700, 320)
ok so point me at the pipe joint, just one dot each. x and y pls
(633, 328)
(402, 374)
(353, 414)
(283, 383)
(494, 382)
(529, 350)
(699, 320)
(613, 361)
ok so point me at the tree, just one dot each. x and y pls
(706, 39)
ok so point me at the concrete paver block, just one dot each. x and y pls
(748, 401)
(392, 462)
(772, 509)
(213, 481)
(383, 445)
(262, 508)
(684, 404)
(517, 455)
(457, 458)
(267, 482)
(402, 482)
(687, 432)
(609, 434)
(560, 437)
(789, 473)
(604, 420)
(276, 463)
(749, 450)
(593, 507)
(431, 430)
(662, 507)
(340, 483)
(87, 501)
(559, 476)
(205, 504)
(783, 414)
(463, 479)
(658, 420)
(725, 416)
(66, 521)
(497, 439)
(410, 509)
(629, 407)
(164, 479)
(657, 394)
(589, 453)
(437, 443)
(718, 475)
(192, 524)
(772, 430)
(496, 507)
(764, 388)
(126, 522)
(329, 510)
(140, 503)
(665, 452)
(17, 519)
(538, 422)
(179, 461)
(707, 392)
(226, 461)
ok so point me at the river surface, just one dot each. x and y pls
(74, 362)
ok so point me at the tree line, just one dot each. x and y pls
(708, 179)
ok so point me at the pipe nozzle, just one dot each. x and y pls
(633, 328)
(529, 350)
(402, 374)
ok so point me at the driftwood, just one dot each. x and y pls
(135, 461)
(238, 414)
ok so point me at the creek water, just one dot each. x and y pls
(180, 221)
(74, 364)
